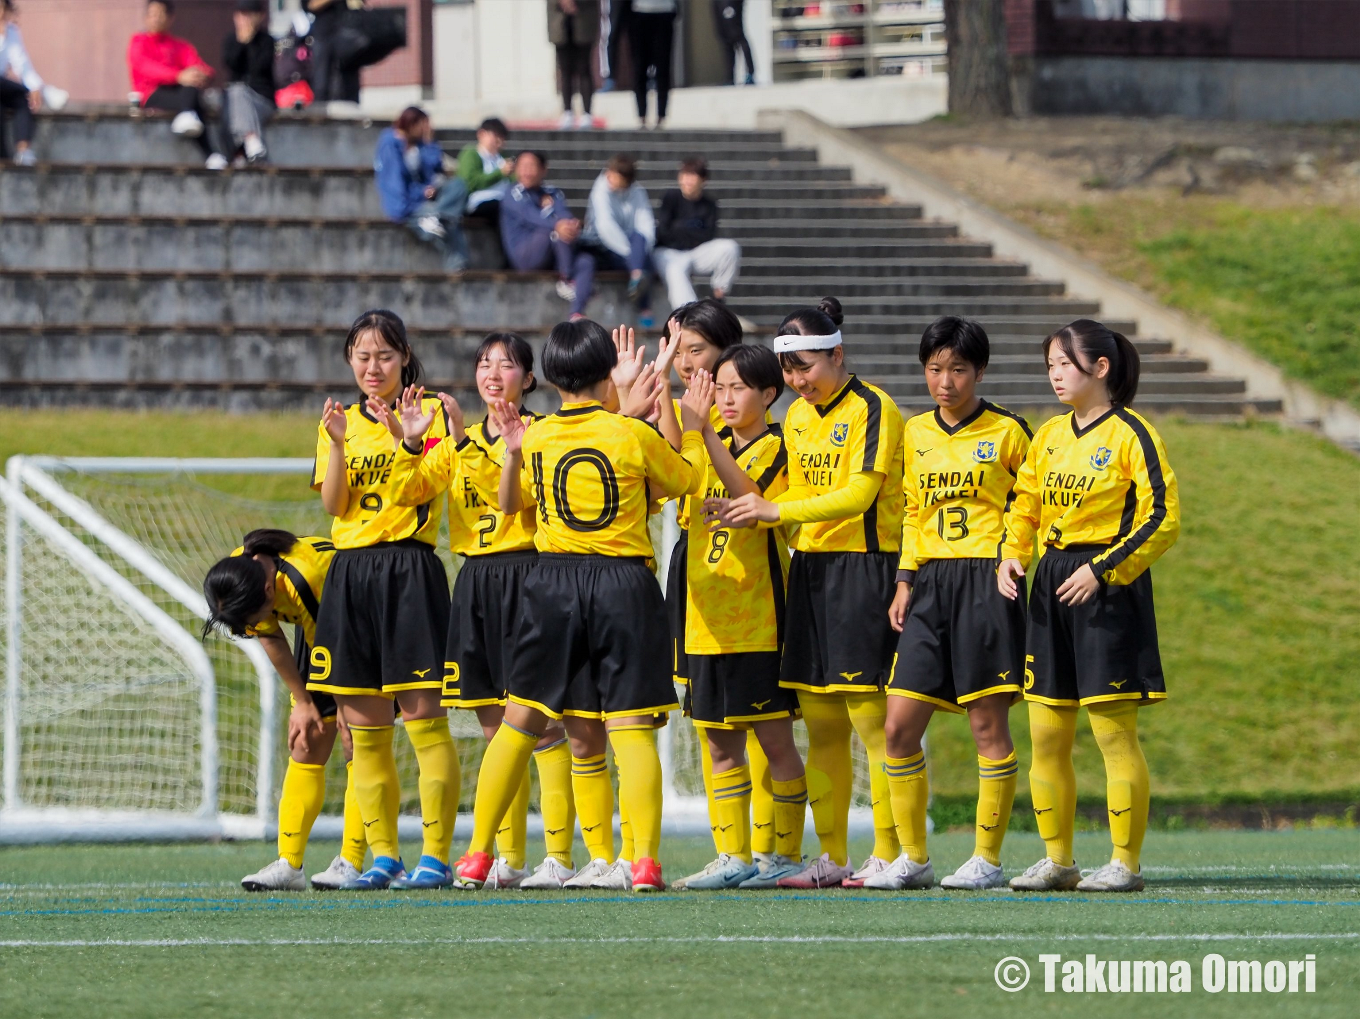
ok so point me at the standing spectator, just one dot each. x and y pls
(620, 228)
(652, 33)
(21, 88)
(486, 173)
(538, 231)
(687, 238)
(620, 17)
(328, 81)
(574, 28)
(408, 169)
(168, 74)
(248, 58)
(729, 17)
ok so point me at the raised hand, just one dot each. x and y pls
(334, 421)
(630, 363)
(697, 403)
(666, 349)
(505, 416)
(641, 399)
(457, 428)
(385, 416)
(415, 418)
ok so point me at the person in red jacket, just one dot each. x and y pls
(168, 74)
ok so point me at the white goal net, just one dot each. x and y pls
(117, 721)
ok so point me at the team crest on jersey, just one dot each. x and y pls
(839, 433)
(1100, 459)
(985, 452)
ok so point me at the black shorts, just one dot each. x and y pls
(383, 621)
(486, 597)
(677, 598)
(591, 639)
(1105, 650)
(731, 691)
(961, 639)
(837, 638)
(302, 656)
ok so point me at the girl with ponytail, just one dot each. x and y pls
(1097, 491)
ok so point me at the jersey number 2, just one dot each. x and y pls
(954, 520)
(487, 529)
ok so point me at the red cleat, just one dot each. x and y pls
(647, 876)
(473, 870)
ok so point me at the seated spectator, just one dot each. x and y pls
(620, 229)
(538, 231)
(248, 58)
(20, 87)
(687, 238)
(168, 74)
(487, 174)
(408, 169)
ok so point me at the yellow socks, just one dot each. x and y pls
(1115, 725)
(498, 783)
(790, 814)
(640, 786)
(868, 713)
(354, 843)
(706, 766)
(996, 793)
(594, 795)
(829, 771)
(440, 782)
(304, 791)
(555, 799)
(1052, 779)
(626, 846)
(732, 793)
(377, 787)
(513, 833)
(910, 790)
(762, 796)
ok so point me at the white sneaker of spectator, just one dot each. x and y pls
(216, 161)
(186, 124)
(255, 150)
(432, 226)
(25, 157)
(567, 120)
(584, 121)
(55, 98)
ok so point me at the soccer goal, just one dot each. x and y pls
(118, 721)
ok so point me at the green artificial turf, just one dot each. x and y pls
(151, 931)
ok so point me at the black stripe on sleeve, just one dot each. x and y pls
(1014, 417)
(1116, 555)
(872, 419)
(780, 463)
(304, 590)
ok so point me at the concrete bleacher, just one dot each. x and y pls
(132, 277)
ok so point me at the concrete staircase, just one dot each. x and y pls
(130, 277)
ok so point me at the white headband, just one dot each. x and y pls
(794, 342)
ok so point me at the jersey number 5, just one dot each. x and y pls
(953, 519)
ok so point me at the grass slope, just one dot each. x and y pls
(1258, 603)
(166, 931)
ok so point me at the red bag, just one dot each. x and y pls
(294, 96)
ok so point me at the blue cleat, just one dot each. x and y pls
(724, 872)
(384, 871)
(430, 872)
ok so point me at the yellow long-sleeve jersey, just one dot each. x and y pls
(297, 588)
(470, 471)
(591, 475)
(1106, 484)
(958, 483)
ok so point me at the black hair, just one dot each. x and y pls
(392, 330)
(250, 6)
(7, 6)
(962, 336)
(578, 355)
(235, 586)
(1086, 341)
(169, 5)
(496, 126)
(696, 165)
(822, 320)
(712, 320)
(538, 154)
(624, 165)
(755, 365)
(516, 348)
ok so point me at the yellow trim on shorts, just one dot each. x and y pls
(524, 702)
(292, 703)
(403, 687)
(935, 701)
(348, 691)
(767, 716)
(1053, 702)
(661, 709)
(833, 687)
(990, 691)
(1139, 696)
(462, 705)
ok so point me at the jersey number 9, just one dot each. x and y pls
(321, 664)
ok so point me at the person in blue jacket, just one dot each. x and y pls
(538, 231)
(408, 170)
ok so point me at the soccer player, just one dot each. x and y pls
(734, 628)
(385, 612)
(962, 647)
(498, 551)
(274, 579)
(844, 443)
(1098, 491)
(591, 639)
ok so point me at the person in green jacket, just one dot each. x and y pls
(487, 174)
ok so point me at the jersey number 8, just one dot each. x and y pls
(720, 540)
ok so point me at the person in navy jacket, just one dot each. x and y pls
(538, 231)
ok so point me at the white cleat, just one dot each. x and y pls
(873, 865)
(502, 875)
(279, 876)
(586, 875)
(1115, 876)
(551, 873)
(1047, 876)
(336, 876)
(186, 124)
(975, 874)
(902, 874)
(711, 868)
(619, 877)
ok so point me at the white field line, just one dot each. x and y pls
(907, 939)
